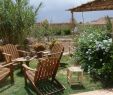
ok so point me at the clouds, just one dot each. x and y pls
(55, 10)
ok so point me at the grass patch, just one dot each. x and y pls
(19, 87)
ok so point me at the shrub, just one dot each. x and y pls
(16, 20)
(58, 32)
(67, 31)
(39, 47)
(51, 44)
(95, 53)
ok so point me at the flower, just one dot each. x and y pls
(89, 58)
(87, 52)
(100, 60)
(105, 41)
(110, 40)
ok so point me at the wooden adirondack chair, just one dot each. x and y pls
(56, 51)
(5, 71)
(44, 73)
(11, 52)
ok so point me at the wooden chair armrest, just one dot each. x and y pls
(7, 54)
(39, 52)
(7, 65)
(22, 51)
(8, 57)
(54, 53)
(28, 68)
(3, 63)
(42, 51)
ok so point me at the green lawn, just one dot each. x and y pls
(19, 88)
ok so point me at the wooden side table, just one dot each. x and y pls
(21, 60)
(70, 75)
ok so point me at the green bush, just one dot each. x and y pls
(62, 32)
(38, 47)
(58, 32)
(95, 53)
(67, 31)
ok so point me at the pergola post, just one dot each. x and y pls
(72, 17)
(72, 20)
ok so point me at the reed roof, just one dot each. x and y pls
(95, 5)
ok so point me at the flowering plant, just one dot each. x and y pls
(95, 53)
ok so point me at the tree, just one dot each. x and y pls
(45, 27)
(16, 20)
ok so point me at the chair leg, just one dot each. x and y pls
(12, 77)
(25, 81)
(21, 67)
(25, 78)
(37, 90)
(11, 74)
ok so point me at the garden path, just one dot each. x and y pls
(97, 92)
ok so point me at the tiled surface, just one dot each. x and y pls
(97, 92)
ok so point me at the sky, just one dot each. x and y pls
(55, 11)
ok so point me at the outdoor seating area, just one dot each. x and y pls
(41, 76)
(41, 72)
(44, 52)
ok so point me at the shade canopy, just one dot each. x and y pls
(96, 5)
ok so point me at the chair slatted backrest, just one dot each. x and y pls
(11, 49)
(57, 50)
(46, 69)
